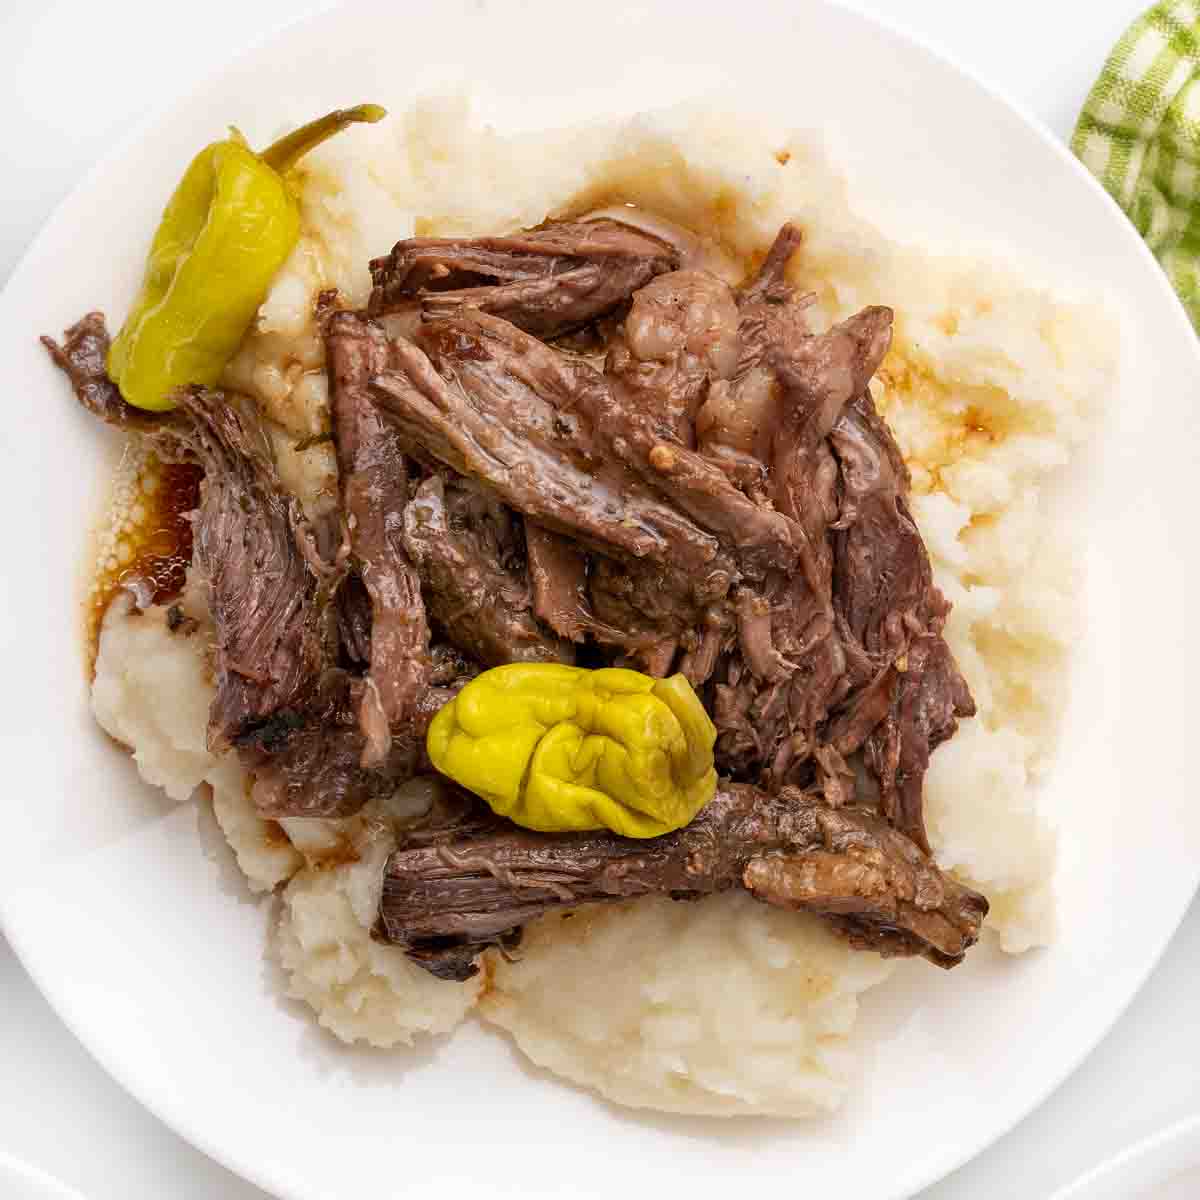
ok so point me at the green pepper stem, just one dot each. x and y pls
(282, 155)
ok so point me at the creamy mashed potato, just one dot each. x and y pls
(724, 1006)
(721, 1006)
(360, 990)
(138, 663)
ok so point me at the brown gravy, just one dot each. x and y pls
(150, 538)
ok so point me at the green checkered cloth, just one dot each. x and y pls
(1139, 134)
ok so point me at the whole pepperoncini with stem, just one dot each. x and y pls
(227, 229)
(560, 748)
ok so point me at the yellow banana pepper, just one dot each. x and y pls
(226, 231)
(560, 748)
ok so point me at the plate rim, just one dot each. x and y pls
(1183, 1128)
(140, 1084)
(27, 1172)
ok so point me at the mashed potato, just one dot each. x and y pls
(138, 663)
(723, 1006)
(264, 853)
(360, 990)
(719, 1007)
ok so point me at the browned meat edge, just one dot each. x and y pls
(467, 880)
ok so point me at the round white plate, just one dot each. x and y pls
(21, 1181)
(1163, 1167)
(155, 961)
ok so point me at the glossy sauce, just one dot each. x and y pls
(146, 537)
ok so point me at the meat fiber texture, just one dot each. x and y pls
(723, 1006)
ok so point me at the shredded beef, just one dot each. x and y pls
(468, 879)
(680, 336)
(692, 480)
(374, 484)
(82, 355)
(793, 664)
(268, 591)
(547, 281)
(472, 566)
(497, 406)
(558, 575)
(354, 621)
(317, 768)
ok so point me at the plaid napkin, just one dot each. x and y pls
(1139, 134)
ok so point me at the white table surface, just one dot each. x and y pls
(75, 76)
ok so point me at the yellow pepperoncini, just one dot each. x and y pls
(226, 231)
(560, 748)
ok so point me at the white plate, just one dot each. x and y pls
(1163, 1167)
(157, 966)
(21, 1181)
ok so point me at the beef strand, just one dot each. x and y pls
(268, 593)
(681, 334)
(465, 547)
(890, 609)
(737, 421)
(498, 405)
(470, 879)
(558, 574)
(316, 767)
(547, 281)
(793, 668)
(374, 485)
(354, 621)
(82, 356)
